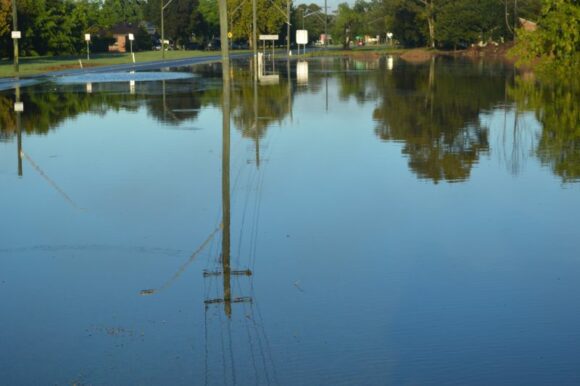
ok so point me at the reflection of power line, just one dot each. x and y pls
(183, 266)
(50, 181)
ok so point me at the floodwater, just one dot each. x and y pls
(343, 222)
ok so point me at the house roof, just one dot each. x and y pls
(123, 29)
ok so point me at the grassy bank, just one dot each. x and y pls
(42, 64)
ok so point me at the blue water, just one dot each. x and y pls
(403, 226)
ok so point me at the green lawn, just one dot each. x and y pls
(42, 64)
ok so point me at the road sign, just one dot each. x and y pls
(131, 37)
(268, 37)
(87, 37)
(301, 36)
(16, 34)
(230, 35)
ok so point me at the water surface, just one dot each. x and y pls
(384, 223)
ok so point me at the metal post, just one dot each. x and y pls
(88, 51)
(15, 40)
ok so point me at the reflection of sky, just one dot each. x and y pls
(402, 279)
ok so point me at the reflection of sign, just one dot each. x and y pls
(302, 72)
(16, 34)
(268, 37)
(301, 36)
(87, 37)
(230, 35)
(131, 37)
(19, 107)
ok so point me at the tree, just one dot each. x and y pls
(556, 43)
(121, 11)
(208, 21)
(179, 18)
(271, 16)
(311, 18)
(347, 24)
(462, 22)
(405, 20)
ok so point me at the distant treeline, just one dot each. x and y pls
(57, 27)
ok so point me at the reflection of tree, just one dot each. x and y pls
(46, 110)
(272, 104)
(355, 81)
(555, 103)
(435, 111)
(171, 102)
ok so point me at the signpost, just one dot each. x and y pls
(272, 38)
(131, 38)
(88, 40)
(302, 38)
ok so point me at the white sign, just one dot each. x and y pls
(131, 37)
(389, 35)
(87, 37)
(19, 107)
(268, 37)
(16, 34)
(301, 36)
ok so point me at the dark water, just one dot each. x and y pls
(357, 222)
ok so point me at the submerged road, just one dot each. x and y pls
(10, 83)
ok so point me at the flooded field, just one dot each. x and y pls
(341, 222)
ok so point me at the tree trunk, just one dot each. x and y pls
(431, 22)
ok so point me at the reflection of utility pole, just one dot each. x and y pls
(256, 138)
(226, 186)
(226, 270)
(326, 82)
(164, 100)
(289, 88)
(18, 107)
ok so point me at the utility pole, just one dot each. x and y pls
(14, 37)
(325, 25)
(163, 6)
(288, 28)
(255, 39)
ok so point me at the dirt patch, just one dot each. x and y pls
(491, 50)
(418, 55)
